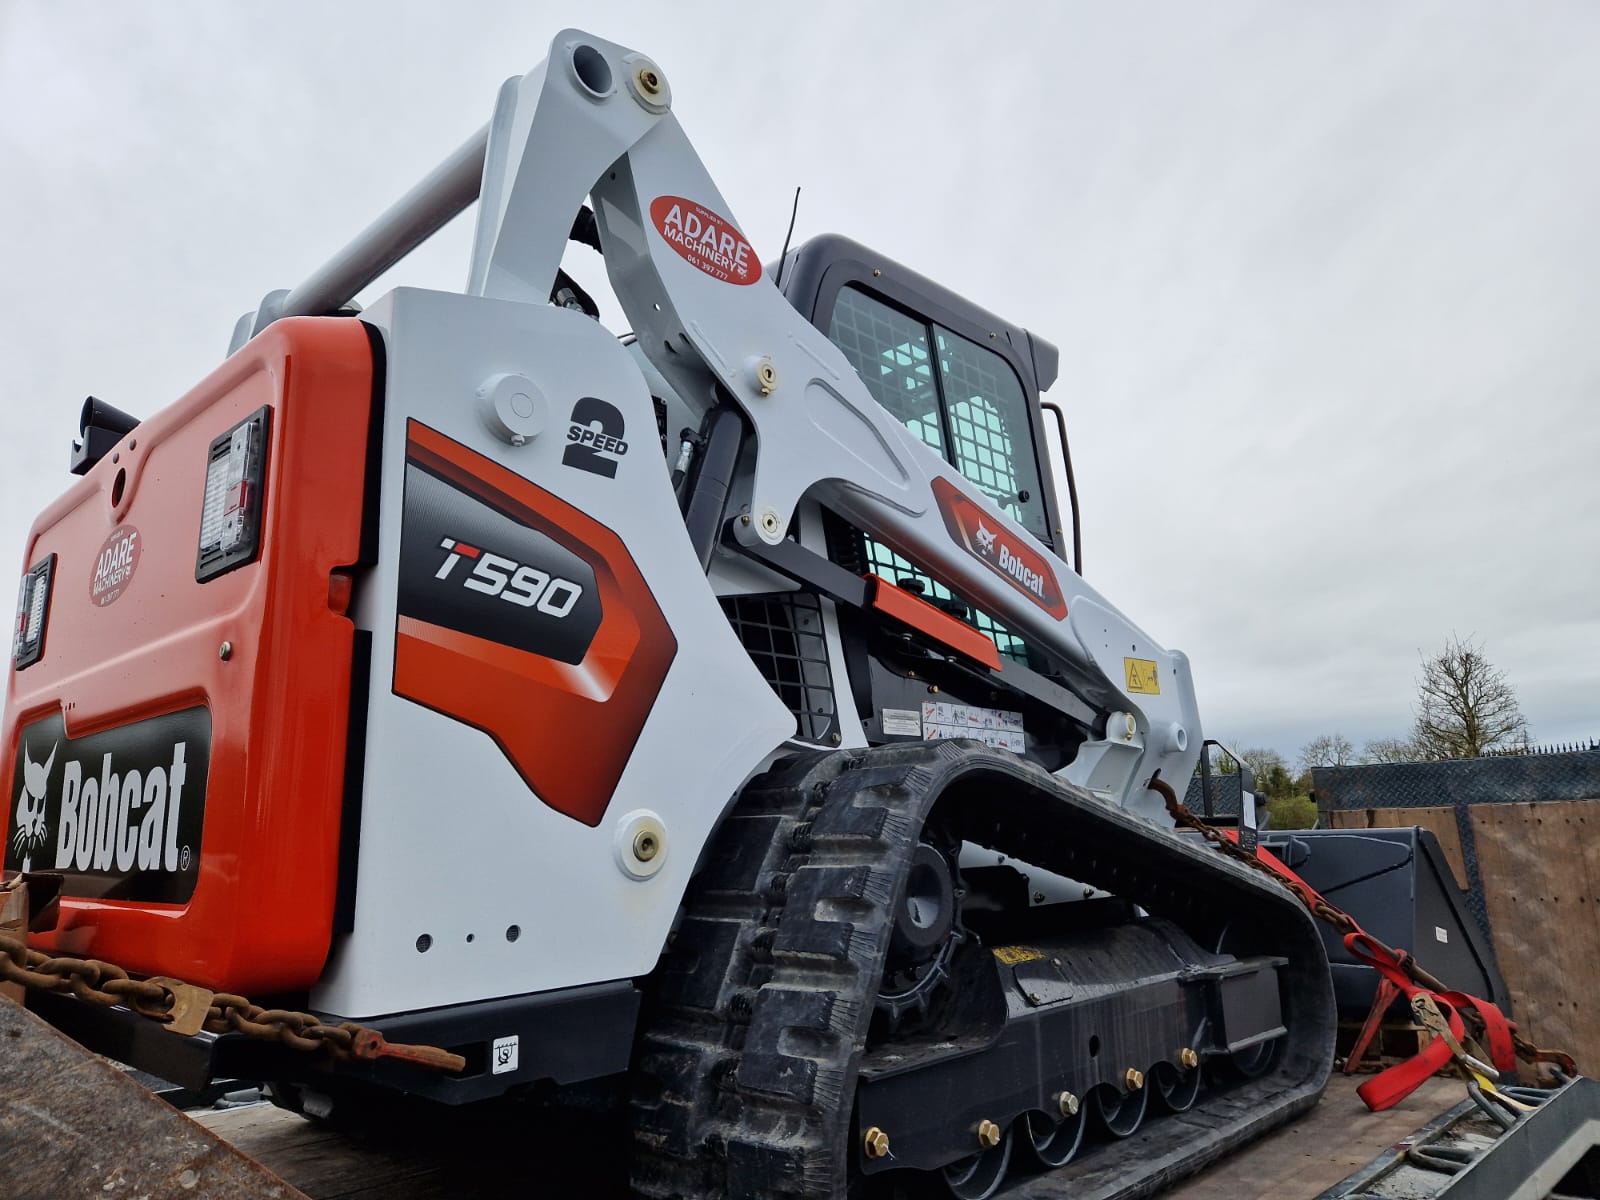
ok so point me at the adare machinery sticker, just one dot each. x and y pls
(114, 565)
(705, 240)
(991, 544)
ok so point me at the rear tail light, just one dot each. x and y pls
(230, 519)
(33, 612)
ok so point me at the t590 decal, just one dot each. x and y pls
(527, 619)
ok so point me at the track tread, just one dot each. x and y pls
(757, 1023)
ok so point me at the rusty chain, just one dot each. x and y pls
(166, 1001)
(1337, 917)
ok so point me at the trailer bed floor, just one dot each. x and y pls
(467, 1161)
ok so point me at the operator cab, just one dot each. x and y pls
(975, 401)
(968, 385)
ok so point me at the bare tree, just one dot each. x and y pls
(1329, 750)
(1390, 750)
(1465, 707)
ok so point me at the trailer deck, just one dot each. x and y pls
(478, 1159)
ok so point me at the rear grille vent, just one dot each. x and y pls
(782, 633)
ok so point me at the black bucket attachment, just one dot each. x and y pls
(1398, 886)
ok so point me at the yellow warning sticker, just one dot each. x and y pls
(1142, 676)
(1012, 955)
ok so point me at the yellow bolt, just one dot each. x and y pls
(988, 1134)
(645, 845)
(1068, 1103)
(649, 82)
(1134, 1079)
(1188, 1058)
(876, 1143)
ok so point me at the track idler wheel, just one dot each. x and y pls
(1255, 1061)
(979, 1176)
(1052, 1143)
(926, 932)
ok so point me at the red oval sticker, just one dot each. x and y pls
(705, 240)
(114, 565)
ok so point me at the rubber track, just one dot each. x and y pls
(759, 1012)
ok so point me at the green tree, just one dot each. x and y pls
(1465, 707)
(1293, 812)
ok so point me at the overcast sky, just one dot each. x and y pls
(1324, 276)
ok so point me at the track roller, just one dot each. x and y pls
(1175, 1088)
(1116, 1112)
(1050, 1143)
(979, 1176)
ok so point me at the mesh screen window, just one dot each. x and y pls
(889, 351)
(990, 432)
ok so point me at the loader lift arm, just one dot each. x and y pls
(594, 121)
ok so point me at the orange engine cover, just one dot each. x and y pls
(178, 749)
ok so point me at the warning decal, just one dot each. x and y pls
(705, 240)
(942, 720)
(1142, 676)
(1012, 955)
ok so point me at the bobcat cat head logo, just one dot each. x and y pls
(30, 831)
(985, 538)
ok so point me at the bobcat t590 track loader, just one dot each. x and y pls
(712, 708)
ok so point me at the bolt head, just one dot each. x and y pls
(769, 522)
(1134, 1079)
(875, 1142)
(1068, 1103)
(988, 1134)
(649, 81)
(225, 651)
(1188, 1058)
(646, 845)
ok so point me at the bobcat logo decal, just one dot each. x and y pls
(985, 539)
(30, 831)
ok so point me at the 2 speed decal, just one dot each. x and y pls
(595, 438)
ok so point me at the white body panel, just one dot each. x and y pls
(453, 843)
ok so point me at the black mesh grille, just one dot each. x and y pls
(782, 633)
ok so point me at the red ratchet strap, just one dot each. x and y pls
(1389, 1087)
